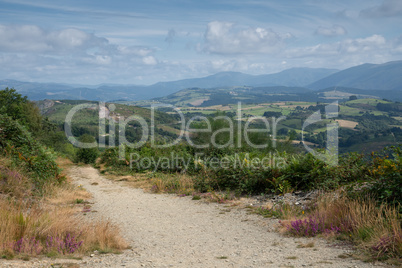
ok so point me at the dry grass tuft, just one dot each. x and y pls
(14, 184)
(103, 236)
(64, 194)
(376, 229)
(139, 180)
(53, 224)
(178, 183)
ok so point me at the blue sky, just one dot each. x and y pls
(143, 42)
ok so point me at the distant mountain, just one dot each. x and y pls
(387, 76)
(40, 91)
(296, 77)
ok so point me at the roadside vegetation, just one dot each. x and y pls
(39, 212)
(360, 200)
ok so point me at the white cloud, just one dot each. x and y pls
(33, 39)
(372, 43)
(376, 43)
(335, 30)
(223, 65)
(226, 38)
(29, 52)
(141, 51)
(149, 60)
(388, 8)
(98, 60)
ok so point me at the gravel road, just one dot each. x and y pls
(172, 231)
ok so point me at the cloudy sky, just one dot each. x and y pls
(143, 42)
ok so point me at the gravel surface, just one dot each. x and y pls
(172, 231)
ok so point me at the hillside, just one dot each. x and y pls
(387, 76)
(203, 97)
(87, 120)
(40, 209)
(295, 77)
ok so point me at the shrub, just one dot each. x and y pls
(380, 176)
(386, 178)
(25, 152)
(87, 155)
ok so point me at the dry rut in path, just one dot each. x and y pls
(171, 231)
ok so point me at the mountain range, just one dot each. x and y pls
(387, 76)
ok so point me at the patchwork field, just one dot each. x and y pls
(347, 123)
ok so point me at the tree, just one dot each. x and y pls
(283, 131)
(353, 97)
(272, 114)
(11, 103)
(292, 134)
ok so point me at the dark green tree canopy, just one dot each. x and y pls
(19, 108)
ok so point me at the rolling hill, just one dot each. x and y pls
(202, 97)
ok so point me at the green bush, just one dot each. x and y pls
(87, 155)
(238, 174)
(385, 182)
(302, 172)
(17, 143)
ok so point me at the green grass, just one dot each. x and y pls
(292, 123)
(349, 111)
(206, 112)
(372, 102)
(366, 105)
(378, 113)
(59, 111)
(260, 111)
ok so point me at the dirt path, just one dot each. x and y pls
(171, 231)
